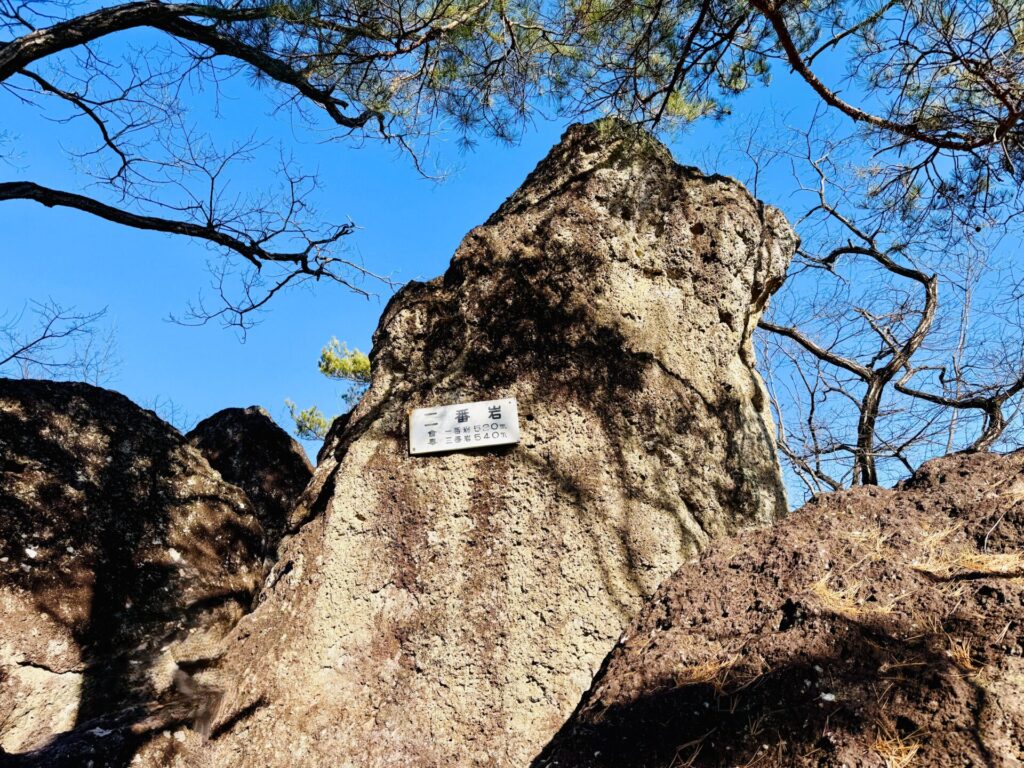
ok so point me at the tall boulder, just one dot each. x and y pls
(873, 627)
(251, 451)
(123, 558)
(450, 610)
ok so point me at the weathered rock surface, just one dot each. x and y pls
(123, 556)
(871, 628)
(251, 451)
(450, 610)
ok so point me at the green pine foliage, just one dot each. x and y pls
(338, 363)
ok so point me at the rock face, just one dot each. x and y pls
(251, 451)
(871, 628)
(450, 610)
(123, 557)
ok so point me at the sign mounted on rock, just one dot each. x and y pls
(462, 426)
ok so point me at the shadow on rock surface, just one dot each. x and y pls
(251, 451)
(451, 609)
(872, 627)
(122, 554)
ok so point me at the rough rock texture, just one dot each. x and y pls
(251, 451)
(122, 556)
(450, 610)
(873, 627)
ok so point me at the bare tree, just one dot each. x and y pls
(172, 412)
(47, 340)
(878, 351)
(935, 85)
(387, 71)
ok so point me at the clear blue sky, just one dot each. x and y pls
(408, 228)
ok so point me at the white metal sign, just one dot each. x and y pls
(463, 426)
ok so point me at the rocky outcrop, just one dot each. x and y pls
(871, 628)
(251, 451)
(123, 558)
(449, 610)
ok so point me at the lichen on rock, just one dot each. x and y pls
(124, 558)
(450, 610)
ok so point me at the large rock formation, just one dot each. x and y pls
(450, 610)
(254, 453)
(871, 628)
(123, 558)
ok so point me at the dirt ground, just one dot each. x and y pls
(872, 627)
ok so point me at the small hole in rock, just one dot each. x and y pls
(906, 727)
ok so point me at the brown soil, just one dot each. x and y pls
(871, 628)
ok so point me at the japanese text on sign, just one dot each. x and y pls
(463, 426)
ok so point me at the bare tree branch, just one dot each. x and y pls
(252, 250)
(47, 340)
